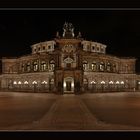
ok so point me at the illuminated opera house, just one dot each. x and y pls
(69, 64)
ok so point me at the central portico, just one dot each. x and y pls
(68, 85)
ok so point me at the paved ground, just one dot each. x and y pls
(27, 111)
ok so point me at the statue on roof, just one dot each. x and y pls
(68, 30)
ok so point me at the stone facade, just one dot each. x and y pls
(69, 64)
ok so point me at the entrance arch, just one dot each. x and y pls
(68, 85)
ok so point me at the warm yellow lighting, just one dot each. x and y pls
(72, 84)
(122, 82)
(103, 82)
(26, 82)
(14, 82)
(44, 82)
(19, 82)
(117, 82)
(34, 82)
(93, 82)
(64, 84)
(111, 82)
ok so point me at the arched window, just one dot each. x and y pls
(93, 66)
(85, 65)
(22, 68)
(102, 66)
(43, 66)
(114, 68)
(108, 67)
(35, 66)
(52, 65)
(126, 68)
(28, 66)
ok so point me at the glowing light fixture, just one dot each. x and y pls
(26, 82)
(72, 84)
(44, 82)
(14, 82)
(117, 82)
(93, 82)
(122, 82)
(103, 82)
(111, 82)
(64, 84)
(19, 82)
(34, 82)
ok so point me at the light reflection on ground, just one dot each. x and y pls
(41, 111)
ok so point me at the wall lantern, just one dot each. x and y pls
(19, 82)
(103, 82)
(111, 82)
(14, 82)
(93, 82)
(25, 82)
(44, 82)
(34, 82)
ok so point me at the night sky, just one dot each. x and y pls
(119, 30)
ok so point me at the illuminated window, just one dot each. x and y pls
(108, 67)
(43, 66)
(84, 65)
(28, 66)
(93, 65)
(35, 66)
(102, 66)
(114, 68)
(52, 65)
